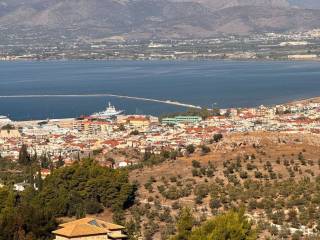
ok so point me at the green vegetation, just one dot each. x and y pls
(7, 127)
(76, 190)
(86, 187)
(231, 225)
(190, 149)
(205, 149)
(11, 172)
(217, 137)
(135, 132)
(22, 217)
(203, 112)
(185, 224)
(280, 195)
(149, 158)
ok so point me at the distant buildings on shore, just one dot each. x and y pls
(86, 136)
(275, 46)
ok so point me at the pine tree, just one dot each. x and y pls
(232, 225)
(185, 224)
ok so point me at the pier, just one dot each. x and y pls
(170, 102)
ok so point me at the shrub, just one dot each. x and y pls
(205, 149)
(217, 137)
(196, 164)
(93, 207)
(243, 174)
(190, 149)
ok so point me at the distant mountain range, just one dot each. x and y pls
(311, 4)
(155, 19)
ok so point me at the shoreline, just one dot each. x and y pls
(304, 101)
(163, 60)
(293, 102)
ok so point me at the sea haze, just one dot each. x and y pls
(226, 83)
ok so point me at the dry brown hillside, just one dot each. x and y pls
(272, 174)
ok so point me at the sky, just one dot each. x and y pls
(306, 3)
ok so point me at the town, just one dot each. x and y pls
(85, 136)
(260, 46)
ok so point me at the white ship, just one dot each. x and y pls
(4, 120)
(109, 112)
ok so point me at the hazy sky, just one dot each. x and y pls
(307, 3)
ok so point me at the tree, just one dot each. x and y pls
(135, 132)
(232, 225)
(60, 162)
(51, 165)
(195, 172)
(86, 187)
(44, 160)
(217, 137)
(8, 127)
(173, 154)
(24, 156)
(196, 164)
(190, 149)
(93, 207)
(122, 128)
(23, 218)
(215, 203)
(205, 149)
(132, 229)
(243, 174)
(111, 161)
(184, 225)
(39, 181)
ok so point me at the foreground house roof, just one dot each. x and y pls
(89, 227)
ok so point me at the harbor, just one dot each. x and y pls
(170, 102)
(112, 129)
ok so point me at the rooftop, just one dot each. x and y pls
(87, 227)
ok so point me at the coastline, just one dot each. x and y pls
(293, 102)
(304, 101)
(163, 60)
(225, 83)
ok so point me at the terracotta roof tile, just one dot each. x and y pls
(86, 227)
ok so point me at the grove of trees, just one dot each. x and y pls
(76, 190)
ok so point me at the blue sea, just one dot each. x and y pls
(206, 83)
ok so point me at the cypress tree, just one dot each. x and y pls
(24, 157)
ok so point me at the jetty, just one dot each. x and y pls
(170, 102)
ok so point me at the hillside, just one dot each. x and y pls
(145, 19)
(273, 175)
